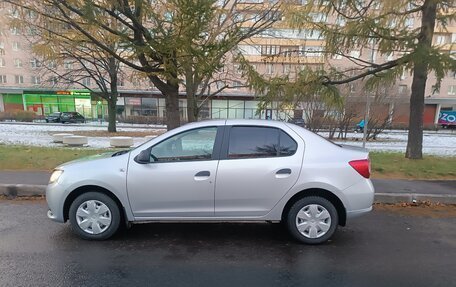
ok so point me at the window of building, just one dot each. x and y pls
(15, 31)
(409, 22)
(120, 82)
(2, 79)
(2, 45)
(2, 62)
(149, 107)
(270, 50)
(16, 46)
(220, 84)
(36, 80)
(86, 82)
(249, 49)
(312, 51)
(440, 40)
(52, 65)
(193, 145)
(355, 53)
(68, 65)
(34, 63)
(259, 142)
(402, 89)
(269, 69)
(404, 75)
(19, 79)
(237, 69)
(18, 63)
(452, 90)
(52, 81)
(237, 84)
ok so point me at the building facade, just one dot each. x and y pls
(24, 87)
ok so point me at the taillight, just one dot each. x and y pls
(362, 166)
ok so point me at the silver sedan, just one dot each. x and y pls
(223, 170)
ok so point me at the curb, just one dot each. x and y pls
(414, 197)
(23, 190)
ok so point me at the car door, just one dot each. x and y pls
(258, 165)
(180, 179)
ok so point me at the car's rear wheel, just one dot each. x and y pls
(94, 216)
(312, 220)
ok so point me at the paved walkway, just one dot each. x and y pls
(381, 185)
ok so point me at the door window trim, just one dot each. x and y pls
(226, 142)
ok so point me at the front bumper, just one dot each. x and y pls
(55, 197)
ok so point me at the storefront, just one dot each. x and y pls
(47, 102)
(12, 102)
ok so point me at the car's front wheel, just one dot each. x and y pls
(312, 220)
(94, 216)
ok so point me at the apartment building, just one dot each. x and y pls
(23, 85)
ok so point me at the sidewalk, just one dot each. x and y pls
(386, 191)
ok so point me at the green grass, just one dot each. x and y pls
(384, 165)
(395, 165)
(39, 158)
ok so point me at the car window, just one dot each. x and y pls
(258, 142)
(287, 145)
(196, 144)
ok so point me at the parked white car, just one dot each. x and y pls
(222, 170)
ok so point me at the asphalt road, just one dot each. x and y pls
(384, 248)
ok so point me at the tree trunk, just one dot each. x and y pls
(112, 101)
(172, 108)
(192, 108)
(420, 71)
(169, 89)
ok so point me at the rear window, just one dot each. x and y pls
(259, 142)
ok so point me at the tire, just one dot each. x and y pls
(99, 209)
(313, 207)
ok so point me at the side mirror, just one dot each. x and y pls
(143, 157)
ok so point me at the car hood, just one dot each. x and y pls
(91, 158)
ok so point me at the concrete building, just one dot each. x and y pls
(22, 85)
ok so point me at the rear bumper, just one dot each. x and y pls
(359, 212)
(359, 198)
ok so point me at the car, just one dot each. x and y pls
(65, 117)
(221, 170)
(53, 118)
(72, 117)
(297, 121)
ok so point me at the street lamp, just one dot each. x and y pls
(367, 111)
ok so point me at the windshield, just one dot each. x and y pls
(55, 114)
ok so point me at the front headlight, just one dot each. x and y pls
(55, 176)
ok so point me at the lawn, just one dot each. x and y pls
(39, 158)
(384, 165)
(395, 165)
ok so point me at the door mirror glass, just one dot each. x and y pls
(143, 157)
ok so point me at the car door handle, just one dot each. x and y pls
(202, 175)
(283, 173)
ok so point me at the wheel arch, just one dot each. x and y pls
(341, 211)
(91, 188)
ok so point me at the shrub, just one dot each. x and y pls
(143, 120)
(19, 115)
